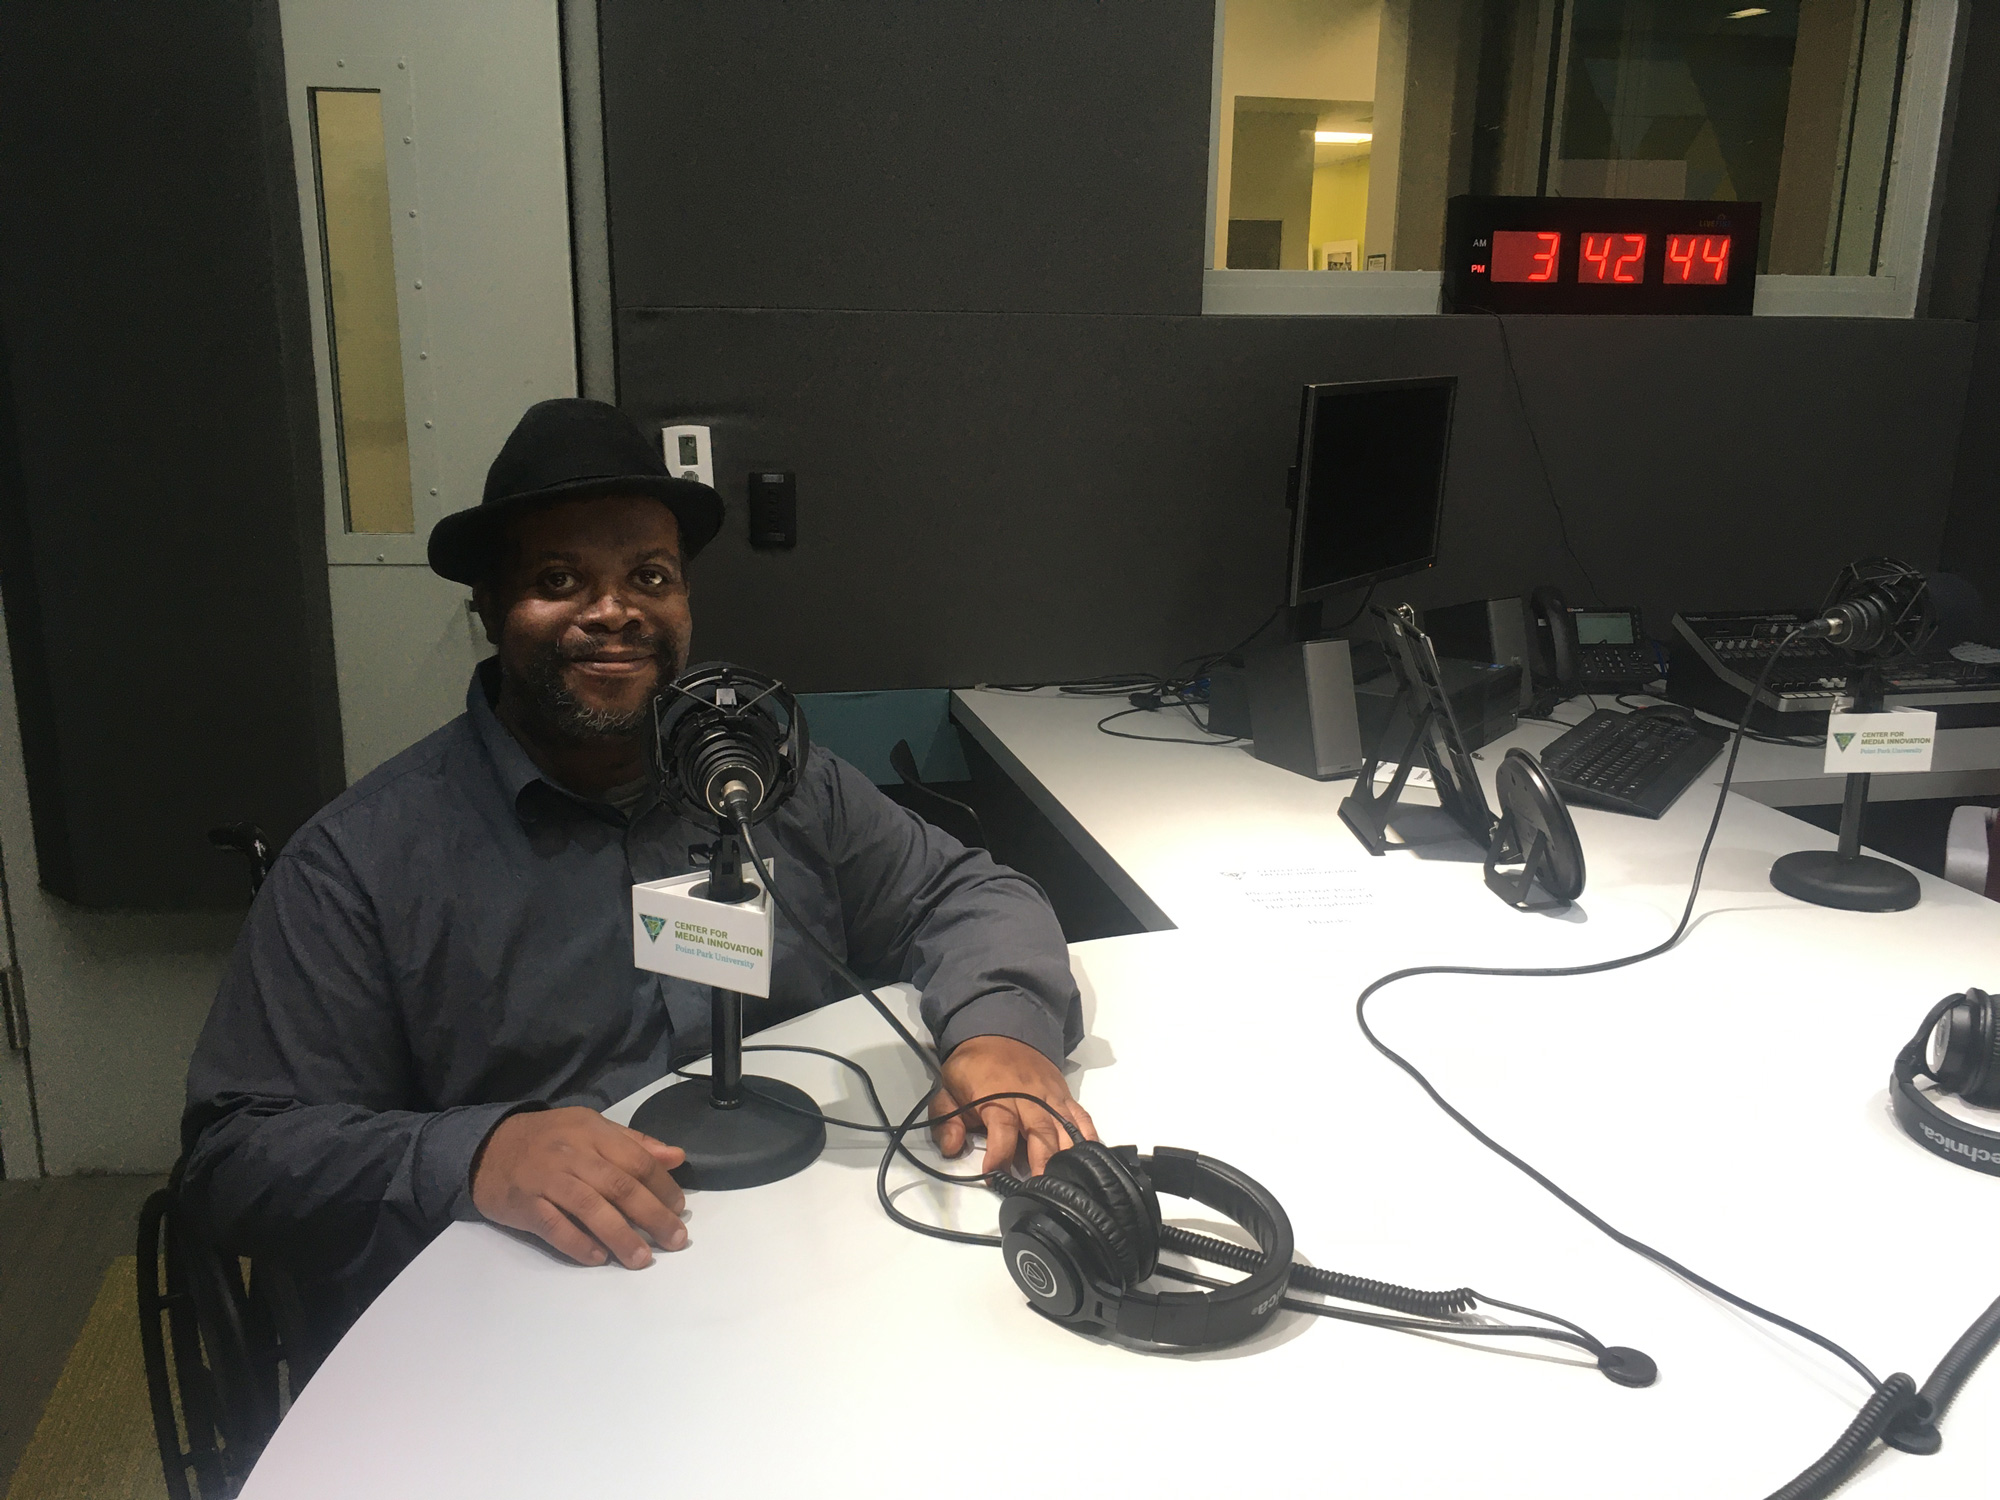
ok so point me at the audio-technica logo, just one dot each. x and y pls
(1958, 1148)
(1267, 1304)
(654, 927)
(1035, 1274)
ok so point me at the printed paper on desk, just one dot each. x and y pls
(1900, 740)
(1386, 773)
(1305, 895)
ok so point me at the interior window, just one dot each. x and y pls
(1346, 125)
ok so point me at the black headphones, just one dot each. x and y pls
(1081, 1237)
(1958, 1049)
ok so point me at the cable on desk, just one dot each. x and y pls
(1789, 742)
(1219, 740)
(1568, 1334)
(1630, 1242)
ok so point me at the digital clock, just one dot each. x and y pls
(1600, 255)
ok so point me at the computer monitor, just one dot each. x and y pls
(1371, 463)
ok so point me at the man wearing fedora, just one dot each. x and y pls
(433, 996)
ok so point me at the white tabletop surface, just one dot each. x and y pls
(1726, 1101)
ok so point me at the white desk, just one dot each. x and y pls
(1726, 1101)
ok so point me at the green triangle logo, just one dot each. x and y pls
(654, 926)
(1843, 740)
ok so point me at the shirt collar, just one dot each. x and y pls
(514, 768)
(512, 765)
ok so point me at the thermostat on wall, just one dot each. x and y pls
(688, 454)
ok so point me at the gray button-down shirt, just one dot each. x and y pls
(450, 940)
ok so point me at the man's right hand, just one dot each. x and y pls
(548, 1171)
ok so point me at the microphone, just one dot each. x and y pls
(728, 744)
(1878, 613)
(728, 747)
(1877, 610)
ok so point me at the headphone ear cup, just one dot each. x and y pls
(1983, 1087)
(1121, 1191)
(1118, 1262)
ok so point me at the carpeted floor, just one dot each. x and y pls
(95, 1437)
(59, 1237)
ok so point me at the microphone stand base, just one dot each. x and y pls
(1856, 883)
(747, 1146)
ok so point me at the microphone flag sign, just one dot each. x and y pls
(1899, 740)
(677, 930)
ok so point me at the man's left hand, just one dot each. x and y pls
(983, 1065)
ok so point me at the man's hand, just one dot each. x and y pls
(547, 1171)
(983, 1065)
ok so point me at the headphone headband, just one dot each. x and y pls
(1937, 1132)
(1210, 1319)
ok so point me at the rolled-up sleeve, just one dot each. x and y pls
(301, 1138)
(978, 939)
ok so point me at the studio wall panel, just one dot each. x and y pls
(1037, 155)
(160, 510)
(1008, 498)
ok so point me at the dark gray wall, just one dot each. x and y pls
(1972, 531)
(161, 543)
(1079, 476)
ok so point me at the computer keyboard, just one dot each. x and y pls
(1634, 763)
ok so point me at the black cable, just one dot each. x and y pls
(923, 1055)
(1630, 1242)
(1541, 460)
(1405, 1325)
(1217, 742)
(840, 968)
(1891, 1401)
(1359, 610)
(1110, 685)
(896, 1215)
(1960, 1361)
(1317, 1279)
(749, 1086)
(1789, 742)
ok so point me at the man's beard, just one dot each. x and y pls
(560, 714)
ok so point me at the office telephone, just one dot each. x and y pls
(1586, 650)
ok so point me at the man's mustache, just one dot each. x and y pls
(655, 644)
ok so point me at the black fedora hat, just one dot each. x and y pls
(569, 449)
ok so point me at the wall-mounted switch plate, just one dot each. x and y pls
(688, 453)
(774, 508)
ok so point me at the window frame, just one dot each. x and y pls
(1909, 218)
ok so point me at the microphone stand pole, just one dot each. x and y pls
(734, 1137)
(1845, 877)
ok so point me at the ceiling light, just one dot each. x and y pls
(1744, 15)
(1342, 137)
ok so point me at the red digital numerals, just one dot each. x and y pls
(1612, 259)
(1525, 254)
(1697, 259)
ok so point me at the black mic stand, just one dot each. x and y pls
(1845, 877)
(734, 1137)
